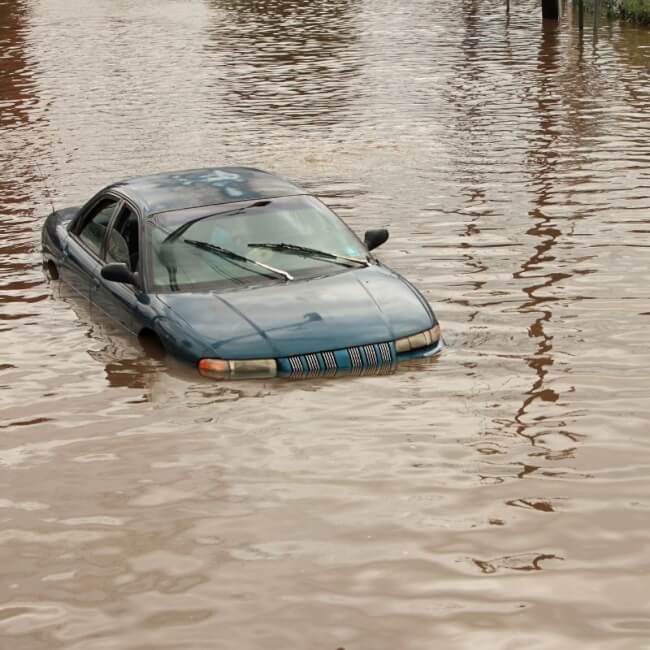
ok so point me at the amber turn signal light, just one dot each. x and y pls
(238, 368)
(423, 339)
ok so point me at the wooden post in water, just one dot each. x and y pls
(596, 12)
(508, 7)
(551, 9)
(581, 14)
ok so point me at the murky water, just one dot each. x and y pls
(498, 497)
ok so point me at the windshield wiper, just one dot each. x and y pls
(312, 252)
(224, 252)
(183, 227)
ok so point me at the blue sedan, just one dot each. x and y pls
(241, 273)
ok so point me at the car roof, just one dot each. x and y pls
(200, 187)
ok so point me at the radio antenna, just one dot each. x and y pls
(48, 194)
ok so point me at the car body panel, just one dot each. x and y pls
(354, 307)
(117, 301)
(199, 187)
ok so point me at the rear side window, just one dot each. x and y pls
(94, 229)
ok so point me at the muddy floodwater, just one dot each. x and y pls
(497, 497)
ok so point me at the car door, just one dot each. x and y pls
(120, 301)
(82, 254)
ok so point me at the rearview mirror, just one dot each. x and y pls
(118, 273)
(375, 238)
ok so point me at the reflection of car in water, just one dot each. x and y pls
(241, 273)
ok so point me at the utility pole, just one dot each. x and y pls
(581, 14)
(551, 9)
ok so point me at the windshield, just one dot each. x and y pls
(211, 248)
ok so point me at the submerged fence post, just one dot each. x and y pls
(551, 9)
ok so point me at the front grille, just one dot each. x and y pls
(372, 359)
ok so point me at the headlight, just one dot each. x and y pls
(420, 340)
(238, 369)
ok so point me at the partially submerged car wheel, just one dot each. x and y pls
(51, 272)
(151, 345)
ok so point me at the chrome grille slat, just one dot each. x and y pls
(369, 359)
(312, 362)
(296, 366)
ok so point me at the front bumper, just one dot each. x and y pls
(373, 359)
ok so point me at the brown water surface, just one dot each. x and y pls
(498, 497)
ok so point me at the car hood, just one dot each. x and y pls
(356, 307)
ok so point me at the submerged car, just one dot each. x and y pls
(242, 273)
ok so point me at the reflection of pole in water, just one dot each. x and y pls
(596, 9)
(538, 302)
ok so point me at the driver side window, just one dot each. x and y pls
(94, 229)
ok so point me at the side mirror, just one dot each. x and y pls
(375, 238)
(118, 273)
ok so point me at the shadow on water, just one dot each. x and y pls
(287, 61)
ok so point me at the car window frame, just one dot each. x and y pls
(111, 225)
(84, 216)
